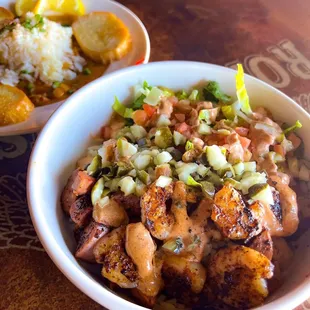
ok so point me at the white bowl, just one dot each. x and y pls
(69, 131)
(140, 52)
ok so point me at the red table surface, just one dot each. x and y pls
(269, 37)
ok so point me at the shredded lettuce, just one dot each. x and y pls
(189, 145)
(167, 92)
(121, 109)
(191, 182)
(146, 85)
(242, 94)
(212, 92)
(292, 128)
(142, 89)
(181, 95)
(228, 112)
(137, 104)
(194, 95)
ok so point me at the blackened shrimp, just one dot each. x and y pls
(237, 276)
(233, 217)
(118, 267)
(154, 212)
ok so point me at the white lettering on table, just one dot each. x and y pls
(255, 65)
(303, 100)
(270, 70)
(296, 62)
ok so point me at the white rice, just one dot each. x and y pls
(44, 53)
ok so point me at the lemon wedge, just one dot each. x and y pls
(15, 106)
(59, 7)
(102, 36)
(5, 14)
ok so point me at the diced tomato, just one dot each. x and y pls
(149, 109)
(140, 117)
(242, 131)
(183, 128)
(279, 149)
(180, 117)
(245, 142)
(295, 140)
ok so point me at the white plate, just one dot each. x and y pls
(70, 130)
(140, 51)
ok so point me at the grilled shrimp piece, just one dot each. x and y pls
(233, 217)
(237, 276)
(288, 204)
(182, 276)
(154, 212)
(117, 266)
(263, 244)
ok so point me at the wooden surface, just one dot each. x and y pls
(270, 37)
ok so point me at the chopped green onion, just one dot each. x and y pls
(24, 72)
(30, 87)
(56, 84)
(86, 71)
